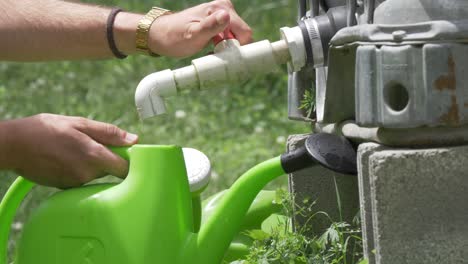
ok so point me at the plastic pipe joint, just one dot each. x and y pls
(230, 64)
(151, 91)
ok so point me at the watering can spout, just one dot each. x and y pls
(217, 232)
(332, 151)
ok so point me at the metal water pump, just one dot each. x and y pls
(394, 74)
(381, 69)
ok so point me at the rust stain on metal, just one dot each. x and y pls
(448, 81)
(452, 117)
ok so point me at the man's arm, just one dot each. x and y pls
(54, 30)
(39, 30)
(66, 151)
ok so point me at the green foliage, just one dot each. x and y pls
(308, 102)
(340, 243)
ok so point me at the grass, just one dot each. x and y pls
(308, 103)
(341, 243)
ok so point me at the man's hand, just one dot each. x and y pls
(185, 33)
(62, 151)
(42, 30)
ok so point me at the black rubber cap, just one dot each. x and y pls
(296, 160)
(333, 152)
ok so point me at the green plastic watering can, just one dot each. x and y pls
(152, 216)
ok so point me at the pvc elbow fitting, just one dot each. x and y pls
(150, 93)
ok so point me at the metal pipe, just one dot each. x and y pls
(302, 9)
(370, 11)
(314, 7)
(351, 12)
(324, 5)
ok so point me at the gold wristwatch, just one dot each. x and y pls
(142, 32)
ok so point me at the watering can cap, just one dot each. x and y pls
(198, 169)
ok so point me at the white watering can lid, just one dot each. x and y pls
(198, 169)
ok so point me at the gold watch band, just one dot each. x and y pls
(144, 25)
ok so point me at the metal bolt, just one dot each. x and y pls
(398, 35)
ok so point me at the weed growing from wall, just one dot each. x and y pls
(340, 243)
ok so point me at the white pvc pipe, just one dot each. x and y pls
(230, 64)
(150, 92)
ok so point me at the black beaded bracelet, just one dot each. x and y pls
(110, 34)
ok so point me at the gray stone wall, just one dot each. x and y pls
(320, 185)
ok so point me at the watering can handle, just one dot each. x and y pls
(15, 195)
(8, 206)
(120, 151)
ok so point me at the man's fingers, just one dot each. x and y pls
(241, 30)
(114, 165)
(108, 162)
(209, 26)
(106, 134)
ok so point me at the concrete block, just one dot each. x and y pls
(365, 150)
(318, 184)
(413, 204)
